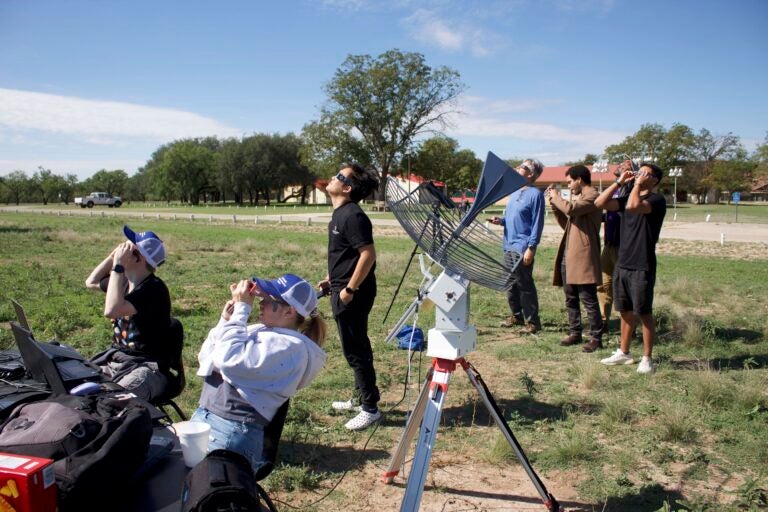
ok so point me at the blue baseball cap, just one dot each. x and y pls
(149, 244)
(292, 289)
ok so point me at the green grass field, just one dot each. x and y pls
(747, 212)
(690, 437)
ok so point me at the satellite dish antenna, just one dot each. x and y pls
(467, 252)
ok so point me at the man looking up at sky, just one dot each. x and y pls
(351, 281)
(635, 274)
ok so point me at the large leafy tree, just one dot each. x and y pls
(44, 183)
(138, 186)
(16, 184)
(730, 176)
(760, 159)
(380, 105)
(707, 150)
(230, 175)
(112, 182)
(187, 169)
(439, 158)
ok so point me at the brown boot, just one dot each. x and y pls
(530, 329)
(571, 339)
(593, 345)
(512, 321)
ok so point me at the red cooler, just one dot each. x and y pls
(26, 484)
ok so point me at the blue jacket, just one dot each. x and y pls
(523, 219)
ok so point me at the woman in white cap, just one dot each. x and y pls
(251, 370)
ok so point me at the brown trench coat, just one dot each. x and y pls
(580, 219)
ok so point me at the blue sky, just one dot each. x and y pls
(86, 85)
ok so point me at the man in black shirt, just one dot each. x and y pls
(139, 305)
(351, 280)
(635, 274)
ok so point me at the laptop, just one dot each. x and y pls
(21, 315)
(61, 367)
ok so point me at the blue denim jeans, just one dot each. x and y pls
(244, 438)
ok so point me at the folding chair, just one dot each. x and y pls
(272, 433)
(176, 379)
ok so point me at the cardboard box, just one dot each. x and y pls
(27, 484)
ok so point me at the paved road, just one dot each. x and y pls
(702, 231)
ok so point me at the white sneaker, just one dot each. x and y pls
(618, 357)
(343, 406)
(363, 420)
(645, 366)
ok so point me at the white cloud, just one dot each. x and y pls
(430, 28)
(473, 103)
(102, 120)
(495, 119)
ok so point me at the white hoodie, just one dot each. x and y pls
(267, 365)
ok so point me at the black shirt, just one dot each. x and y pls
(640, 232)
(146, 332)
(349, 229)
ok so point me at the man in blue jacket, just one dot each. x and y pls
(523, 223)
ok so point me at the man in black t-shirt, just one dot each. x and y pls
(351, 281)
(139, 305)
(635, 274)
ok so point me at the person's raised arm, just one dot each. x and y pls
(606, 200)
(102, 270)
(634, 203)
(115, 305)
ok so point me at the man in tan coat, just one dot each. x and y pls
(579, 254)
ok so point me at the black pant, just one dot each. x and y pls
(586, 294)
(522, 297)
(352, 322)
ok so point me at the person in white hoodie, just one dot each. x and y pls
(251, 370)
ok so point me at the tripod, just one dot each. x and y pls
(449, 341)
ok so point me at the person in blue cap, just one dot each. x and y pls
(250, 371)
(139, 305)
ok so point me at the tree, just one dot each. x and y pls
(434, 158)
(646, 143)
(589, 159)
(111, 182)
(438, 158)
(187, 169)
(760, 159)
(229, 178)
(138, 186)
(708, 149)
(468, 169)
(383, 103)
(730, 176)
(17, 183)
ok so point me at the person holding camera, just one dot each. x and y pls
(139, 305)
(635, 274)
(577, 264)
(250, 371)
(351, 282)
(523, 223)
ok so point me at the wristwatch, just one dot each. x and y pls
(618, 182)
(349, 290)
(119, 269)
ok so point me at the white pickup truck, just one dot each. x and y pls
(99, 198)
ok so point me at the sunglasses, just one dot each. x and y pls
(525, 167)
(273, 302)
(339, 176)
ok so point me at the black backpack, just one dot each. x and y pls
(224, 481)
(97, 443)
